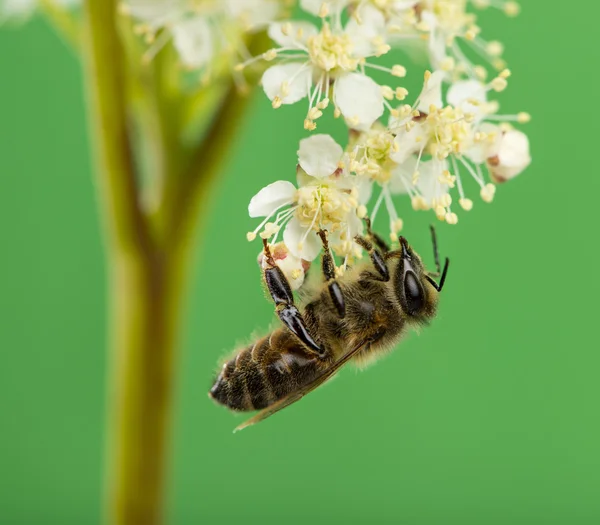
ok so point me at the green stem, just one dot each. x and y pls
(148, 266)
(145, 288)
(147, 298)
(195, 191)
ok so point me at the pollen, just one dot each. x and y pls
(330, 51)
(269, 55)
(451, 218)
(466, 204)
(499, 84)
(512, 8)
(398, 71)
(487, 192)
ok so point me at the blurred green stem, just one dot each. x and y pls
(148, 266)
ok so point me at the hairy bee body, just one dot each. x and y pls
(280, 364)
(265, 372)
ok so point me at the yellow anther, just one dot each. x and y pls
(487, 192)
(401, 93)
(286, 28)
(499, 84)
(494, 48)
(398, 70)
(448, 64)
(269, 55)
(466, 204)
(451, 218)
(512, 8)
(387, 92)
(324, 10)
(523, 117)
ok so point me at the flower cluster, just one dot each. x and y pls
(424, 147)
(202, 31)
(425, 150)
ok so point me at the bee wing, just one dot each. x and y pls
(301, 392)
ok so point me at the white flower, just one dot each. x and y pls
(292, 267)
(430, 190)
(434, 145)
(326, 198)
(511, 157)
(329, 61)
(447, 25)
(314, 7)
(201, 32)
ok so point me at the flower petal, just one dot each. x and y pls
(305, 248)
(319, 155)
(402, 176)
(156, 14)
(364, 33)
(360, 100)
(314, 6)
(271, 197)
(407, 143)
(293, 268)
(193, 39)
(432, 92)
(364, 185)
(297, 76)
(478, 152)
(429, 180)
(291, 39)
(354, 225)
(468, 95)
(253, 13)
(512, 158)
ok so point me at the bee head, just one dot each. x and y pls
(415, 288)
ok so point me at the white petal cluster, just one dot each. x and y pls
(327, 197)
(446, 27)
(201, 30)
(327, 64)
(425, 150)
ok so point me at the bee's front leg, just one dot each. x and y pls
(281, 293)
(335, 291)
(377, 258)
(377, 240)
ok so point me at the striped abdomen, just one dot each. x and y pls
(265, 372)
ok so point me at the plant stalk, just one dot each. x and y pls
(148, 268)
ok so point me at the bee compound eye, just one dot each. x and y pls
(413, 292)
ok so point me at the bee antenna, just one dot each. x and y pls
(436, 257)
(437, 286)
(436, 253)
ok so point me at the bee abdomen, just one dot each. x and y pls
(265, 372)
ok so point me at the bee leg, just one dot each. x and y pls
(335, 291)
(377, 258)
(379, 242)
(281, 293)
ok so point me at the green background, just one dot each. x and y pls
(490, 416)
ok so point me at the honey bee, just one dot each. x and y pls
(355, 317)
